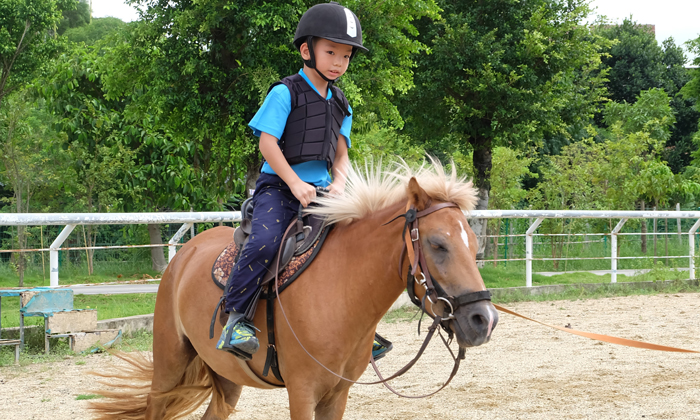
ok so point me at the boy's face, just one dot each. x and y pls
(332, 58)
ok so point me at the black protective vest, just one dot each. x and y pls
(313, 125)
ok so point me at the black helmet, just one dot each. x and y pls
(331, 21)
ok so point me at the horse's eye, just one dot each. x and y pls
(437, 247)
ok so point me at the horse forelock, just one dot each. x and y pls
(374, 187)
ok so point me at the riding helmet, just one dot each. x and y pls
(331, 21)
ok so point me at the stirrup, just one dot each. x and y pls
(224, 342)
(380, 347)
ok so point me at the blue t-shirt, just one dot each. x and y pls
(271, 118)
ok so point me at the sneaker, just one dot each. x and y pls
(380, 347)
(238, 337)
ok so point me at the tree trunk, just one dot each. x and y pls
(157, 257)
(482, 160)
(644, 231)
(21, 238)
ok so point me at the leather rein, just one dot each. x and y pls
(434, 293)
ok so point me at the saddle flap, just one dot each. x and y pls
(313, 226)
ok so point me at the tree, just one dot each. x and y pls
(98, 29)
(25, 39)
(638, 63)
(75, 17)
(95, 142)
(29, 158)
(503, 73)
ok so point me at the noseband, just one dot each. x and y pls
(420, 274)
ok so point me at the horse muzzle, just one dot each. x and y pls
(474, 323)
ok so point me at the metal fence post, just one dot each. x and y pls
(528, 250)
(172, 249)
(613, 247)
(53, 253)
(691, 243)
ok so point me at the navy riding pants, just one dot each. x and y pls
(274, 207)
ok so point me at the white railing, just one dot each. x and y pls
(71, 220)
(540, 215)
(188, 219)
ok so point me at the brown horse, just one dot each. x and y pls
(333, 307)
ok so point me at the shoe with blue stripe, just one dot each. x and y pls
(380, 347)
(238, 337)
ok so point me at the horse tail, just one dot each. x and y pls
(131, 390)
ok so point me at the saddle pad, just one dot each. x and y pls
(221, 271)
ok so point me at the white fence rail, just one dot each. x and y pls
(188, 219)
(71, 220)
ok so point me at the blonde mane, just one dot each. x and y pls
(374, 187)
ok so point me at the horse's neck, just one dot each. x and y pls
(377, 248)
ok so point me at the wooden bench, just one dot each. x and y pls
(16, 343)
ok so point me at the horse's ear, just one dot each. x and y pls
(417, 195)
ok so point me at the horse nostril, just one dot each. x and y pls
(478, 322)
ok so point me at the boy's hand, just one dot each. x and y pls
(336, 189)
(303, 192)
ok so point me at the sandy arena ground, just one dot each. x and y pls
(526, 372)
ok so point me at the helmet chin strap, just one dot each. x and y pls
(312, 62)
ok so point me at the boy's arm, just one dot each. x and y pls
(340, 167)
(304, 192)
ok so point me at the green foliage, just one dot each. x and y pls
(97, 30)
(650, 112)
(638, 63)
(509, 169)
(504, 73)
(94, 133)
(635, 60)
(75, 17)
(28, 161)
(30, 152)
(26, 40)
(384, 144)
(627, 167)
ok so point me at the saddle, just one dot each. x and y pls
(303, 241)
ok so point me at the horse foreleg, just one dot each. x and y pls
(231, 394)
(333, 406)
(302, 403)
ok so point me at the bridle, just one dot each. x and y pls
(433, 292)
(419, 273)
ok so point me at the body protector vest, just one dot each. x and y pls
(313, 125)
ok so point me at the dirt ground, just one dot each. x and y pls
(526, 372)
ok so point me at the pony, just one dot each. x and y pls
(331, 310)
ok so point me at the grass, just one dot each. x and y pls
(87, 397)
(34, 349)
(104, 272)
(108, 306)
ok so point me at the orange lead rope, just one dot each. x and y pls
(601, 337)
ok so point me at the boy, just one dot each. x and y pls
(304, 129)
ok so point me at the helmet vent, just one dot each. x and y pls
(352, 26)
